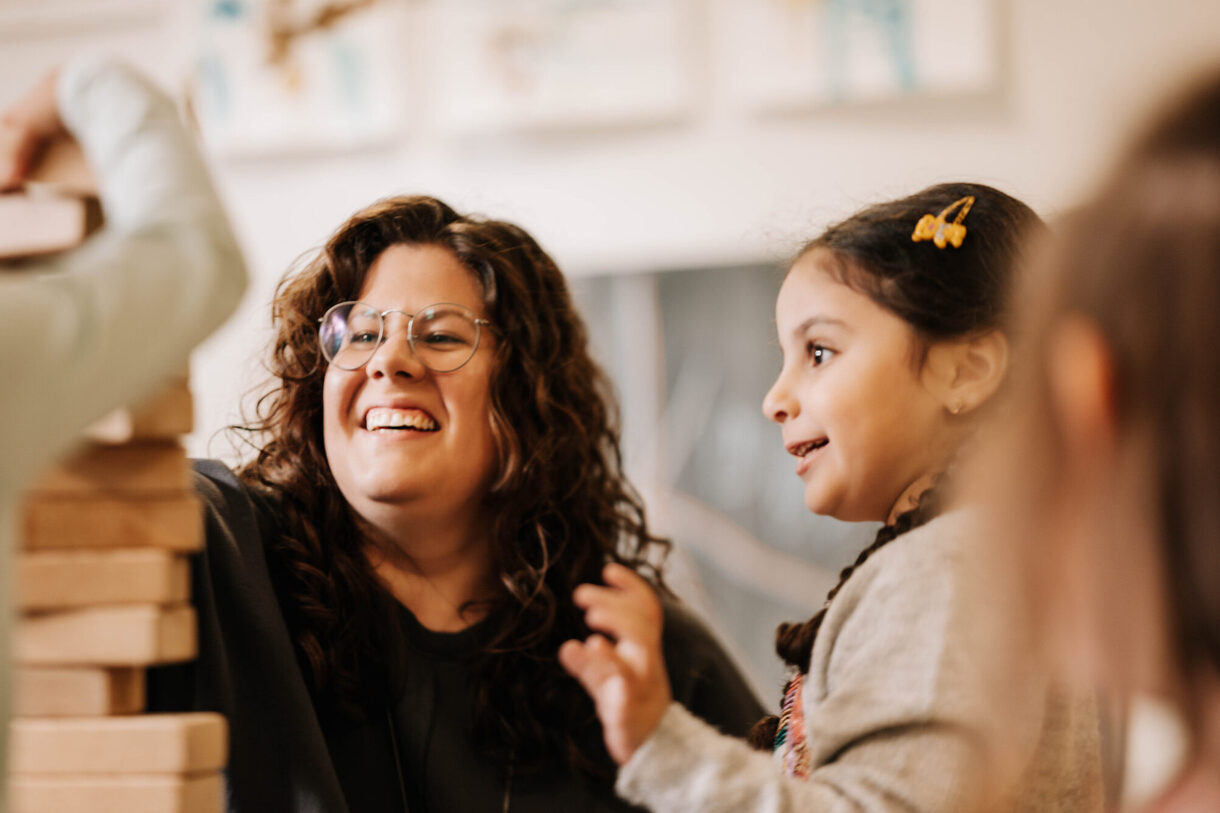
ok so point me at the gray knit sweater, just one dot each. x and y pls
(921, 696)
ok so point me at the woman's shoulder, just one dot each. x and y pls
(214, 477)
(702, 676)
(230, 504)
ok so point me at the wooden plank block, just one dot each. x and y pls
(43, 222)
(173, 522)
(170, 412)
(164, 793)
(48, 691)
(190, 742)
(144, 468)
(62, 579)
(135, 635)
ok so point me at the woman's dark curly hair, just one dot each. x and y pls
(562, 508)
(941, 294)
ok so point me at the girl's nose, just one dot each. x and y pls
(779, 405)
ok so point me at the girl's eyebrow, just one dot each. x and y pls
(819, 319)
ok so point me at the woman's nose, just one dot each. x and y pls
(394, 356)
(779, 405)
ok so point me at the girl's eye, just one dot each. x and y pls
(819, 354)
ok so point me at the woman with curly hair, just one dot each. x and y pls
(386, 585)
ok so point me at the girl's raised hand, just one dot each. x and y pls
(623, 667)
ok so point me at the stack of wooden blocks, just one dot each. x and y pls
(103, 593)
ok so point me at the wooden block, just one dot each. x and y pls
(40, 222)
(62, 579)
(136, 635)
(164, 793)
(172, 521)
(190, 742)
(145, 468)
(170, 412)
(77, 692)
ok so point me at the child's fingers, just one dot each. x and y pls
(623, 622)
(593, 663)
(625, 589)
(624, 617)
(626, 579)
(635, 588)
(586, 595)
(573, 657)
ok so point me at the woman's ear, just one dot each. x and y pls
(965, 373)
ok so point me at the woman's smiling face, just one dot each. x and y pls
(850, 398)
(397, 434)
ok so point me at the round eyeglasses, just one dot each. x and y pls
(443, 336)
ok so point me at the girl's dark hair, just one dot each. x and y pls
(941, 294)
(1142, 261)
(561, 504)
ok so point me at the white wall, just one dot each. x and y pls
(716, 190)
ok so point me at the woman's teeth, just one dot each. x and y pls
(385, 418)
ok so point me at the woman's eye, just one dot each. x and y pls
(442, 340)
(364, 337)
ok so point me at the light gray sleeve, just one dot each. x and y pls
(895, 704)
(686, 766)
(101, 325)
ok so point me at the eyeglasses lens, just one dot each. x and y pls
(443, 337)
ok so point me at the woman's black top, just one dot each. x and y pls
(421, 757)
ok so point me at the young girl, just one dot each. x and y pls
(892, 330)
(1120, 435)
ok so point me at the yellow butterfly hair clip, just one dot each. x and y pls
(934, 227)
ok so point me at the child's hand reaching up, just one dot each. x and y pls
(626, 678)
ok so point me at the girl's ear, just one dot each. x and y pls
(965, 373)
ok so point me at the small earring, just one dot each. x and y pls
(956, 407)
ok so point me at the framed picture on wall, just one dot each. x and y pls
(298, 76)
(798, 54)
(559, 64)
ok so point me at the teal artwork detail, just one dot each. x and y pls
(891, 20)
(228, 10)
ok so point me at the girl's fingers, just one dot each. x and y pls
(586, 595)
(626, 579)
(593, 663)
(623, 617)
(573, 657)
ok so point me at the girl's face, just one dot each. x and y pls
(853, 408)
(444, 457)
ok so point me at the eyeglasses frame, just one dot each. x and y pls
(479, 324)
